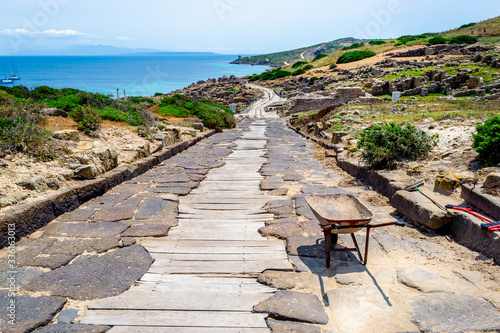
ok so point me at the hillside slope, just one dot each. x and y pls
(487, 31)
(487, 28)
(306, 53)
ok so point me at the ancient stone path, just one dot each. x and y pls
(204, 275)
(206, 205)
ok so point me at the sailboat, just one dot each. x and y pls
(5, 81)
(15, 76)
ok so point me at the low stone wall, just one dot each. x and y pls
(487, 203)
(465, 228)
(30, 217)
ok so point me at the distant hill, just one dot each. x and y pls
(278, 59)
(487, 31)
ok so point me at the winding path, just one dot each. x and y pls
(203, 277)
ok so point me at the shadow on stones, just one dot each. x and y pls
(313, 257)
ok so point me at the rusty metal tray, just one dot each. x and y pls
(342, 209)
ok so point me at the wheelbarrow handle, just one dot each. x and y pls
(420, 182)
(469, 210)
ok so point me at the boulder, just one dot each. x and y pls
(55, 112)
(86, 172)
(67, 135)
(475, 82)
(446, 183)
(492, 180)
(199, 127)
(35, 184)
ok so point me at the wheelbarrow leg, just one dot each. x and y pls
(357, 249)
(328, 244)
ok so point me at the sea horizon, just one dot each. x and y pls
(137, 74)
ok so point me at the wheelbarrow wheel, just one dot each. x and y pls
(335, 239)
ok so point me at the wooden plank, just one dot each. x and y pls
(167, 288)
(223, 267)
(175, 318)
(220, 256)
(197, 281)
(148, 329)
(155, 242)
(187, 301)
(214, 250)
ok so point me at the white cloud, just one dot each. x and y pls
(125, 38)
(50, 33)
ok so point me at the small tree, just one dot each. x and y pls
(487, 141)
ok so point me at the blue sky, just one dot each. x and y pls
(224, 26)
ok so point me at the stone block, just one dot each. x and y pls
(420, 210)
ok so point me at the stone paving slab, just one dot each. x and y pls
(84, 230)
(454, 313)
(96, 277)
(294, 305)
(30, 312)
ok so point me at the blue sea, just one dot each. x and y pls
(139, 75)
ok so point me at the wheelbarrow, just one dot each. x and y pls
(343, 214)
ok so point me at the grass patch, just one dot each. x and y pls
(110, 113)
(299, 64)
(211, 114)
(353, 46)
(299, 71)
(355, 56)
(463, 39)
(271, 75)
(377, 42)
(320, 56)
(312, 80)
(468, 25)
(436, 40)
(232, 89)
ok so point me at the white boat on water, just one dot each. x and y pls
(10, 79)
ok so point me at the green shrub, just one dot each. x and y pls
(487, 141)
(211, 114)
(383, 145)
(131, 118)
(312, 80)
(299, 72)
(353, 46)
(158, 94)
(87, 119)
(355, 56)
(463, 39)
(270, 75)
(232, 89)
(22, 134)
(437, 40)
(308, 67)
(333, 66)
(403, 40)
(320, 56)
(299, 64)
(467, 25)
(377, 42)
(172, 110)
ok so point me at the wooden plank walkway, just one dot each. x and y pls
(203, 277)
